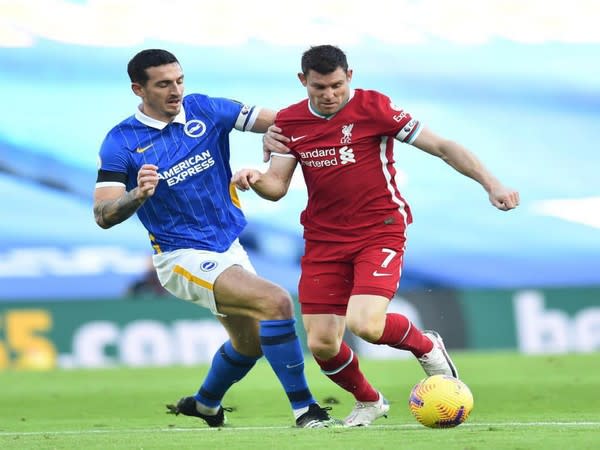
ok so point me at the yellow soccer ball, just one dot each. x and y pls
(440, 401)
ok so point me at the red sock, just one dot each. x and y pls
(400, 333)
(343, 370)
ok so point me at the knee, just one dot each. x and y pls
(279, 304)
(368, 328)
(323, 348)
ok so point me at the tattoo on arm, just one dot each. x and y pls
(113, 212)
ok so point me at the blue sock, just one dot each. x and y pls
(227, 367)
(282, 349)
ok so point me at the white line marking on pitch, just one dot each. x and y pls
(233, 428)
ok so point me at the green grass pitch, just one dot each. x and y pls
(521, 402)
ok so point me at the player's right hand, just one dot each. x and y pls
(504, 198)
(274, 141)
(147, 179)
(245, 178)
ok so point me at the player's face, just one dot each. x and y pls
(327, 93)
(163, 92)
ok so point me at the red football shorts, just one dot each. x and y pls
(333, 271)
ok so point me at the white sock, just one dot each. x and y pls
(300, 411)
(207, 410)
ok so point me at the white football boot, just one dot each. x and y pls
(437, 361)
(364, 413)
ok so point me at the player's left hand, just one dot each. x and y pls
(504, 198)
(274, 141)
(245, 178)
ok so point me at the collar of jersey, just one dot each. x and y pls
(329, 116)
(158, 124)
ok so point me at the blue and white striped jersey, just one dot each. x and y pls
(194, 205)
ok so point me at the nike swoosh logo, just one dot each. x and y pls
(143, 149)
(291, 366)
(377, 274)
(297, 138)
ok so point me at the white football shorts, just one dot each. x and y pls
(190, 274)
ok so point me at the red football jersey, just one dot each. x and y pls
(348, 165)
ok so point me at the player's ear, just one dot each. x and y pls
(302, 78)
(137, 89)
(349, 75)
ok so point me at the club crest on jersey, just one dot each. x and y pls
(194, 128)
(347, 134)
(207, 266)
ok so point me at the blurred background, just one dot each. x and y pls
(515, 81)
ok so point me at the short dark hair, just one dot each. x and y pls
(323, 59)
(148, 58)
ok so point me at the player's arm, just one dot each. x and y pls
(272, 184)
(265, 118)
(273, 142)
(467, 163)
(113, 205)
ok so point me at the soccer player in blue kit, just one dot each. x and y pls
(169, 163)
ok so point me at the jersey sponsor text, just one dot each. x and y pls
(314, 158)
(187, 168)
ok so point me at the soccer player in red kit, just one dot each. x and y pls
(355, 219)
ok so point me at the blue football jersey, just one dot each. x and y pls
(194, 205)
